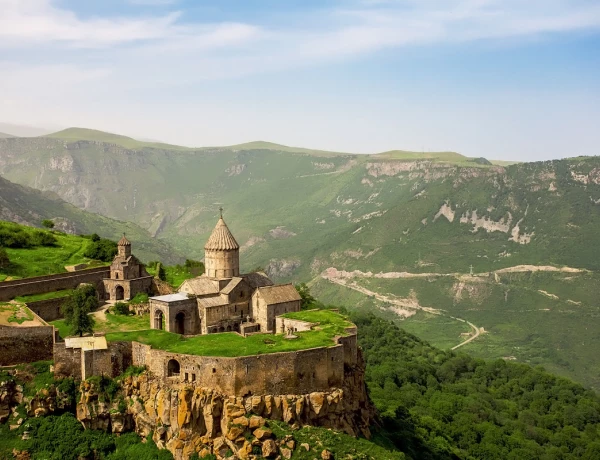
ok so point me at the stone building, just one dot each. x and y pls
(128, 276)
(222, 299)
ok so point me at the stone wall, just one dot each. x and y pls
(25, 344)
(316, 369)
(82, 364)
(49, 309)
(67, 361)
(49, 283)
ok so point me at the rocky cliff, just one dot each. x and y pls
(186, 419)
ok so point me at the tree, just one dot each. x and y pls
(4, 260)
(76, 310)
(160, 272)
(47, 223)
(307, 298)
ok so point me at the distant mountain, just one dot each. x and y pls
(397, 233)
(84, 134)
(23, 130)
(28, 206)
(5, 136)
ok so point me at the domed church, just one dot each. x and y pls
(222, 299)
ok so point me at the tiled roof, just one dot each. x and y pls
(221, 238)
(201, 285)
(257, 279)
(216, 301)
(279, 294)
(231, 286)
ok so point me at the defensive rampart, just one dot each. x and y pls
(49, 309)
(294, 372)
(25, 344)
(49, 283)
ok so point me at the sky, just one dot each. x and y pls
(502, 79)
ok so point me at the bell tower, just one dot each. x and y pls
(221, 252)
(124, 247)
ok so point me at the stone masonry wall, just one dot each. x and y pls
(48, 310)
(315, 369)
(25, 344)
(49, 283)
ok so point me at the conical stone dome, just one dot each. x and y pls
(124, 241)
(221, 253)
(221, 238)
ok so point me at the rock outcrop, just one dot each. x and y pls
(187, 419)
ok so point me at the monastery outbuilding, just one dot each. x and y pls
(128, 276)
(222, 299)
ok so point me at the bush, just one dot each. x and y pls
(101, 249)
(47, 223)
(121, 308)
(40, 238)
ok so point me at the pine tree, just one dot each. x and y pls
(76, 310)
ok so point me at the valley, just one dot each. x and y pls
(418, 224)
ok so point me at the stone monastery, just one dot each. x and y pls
(222, 299)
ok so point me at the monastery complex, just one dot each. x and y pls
(222, 299)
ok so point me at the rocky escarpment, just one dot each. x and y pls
(187, 419)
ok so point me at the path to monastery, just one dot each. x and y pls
(408, 306)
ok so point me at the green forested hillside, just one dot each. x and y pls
(437, 404)
(30, 207)
(353, 224)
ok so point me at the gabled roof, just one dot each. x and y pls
(216, 301)
(221, 238)
(257, 279)
(235, 281)
(201, 285)
(278, 294)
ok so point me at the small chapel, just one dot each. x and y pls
(222, 299)
(128, 276)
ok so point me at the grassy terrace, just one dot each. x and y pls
(46, 296)
(231, 344)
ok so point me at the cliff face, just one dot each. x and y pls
(187, 419)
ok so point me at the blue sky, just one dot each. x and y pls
(506, 79)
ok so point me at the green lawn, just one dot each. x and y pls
(44, 260)
(231, 344)
(46, 296)
(113, 323)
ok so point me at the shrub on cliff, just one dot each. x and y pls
(101, 249)
(120, 308)
(47, 223)
(76, 310)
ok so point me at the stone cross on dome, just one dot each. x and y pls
(221, 210)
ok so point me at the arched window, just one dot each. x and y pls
(173, 368)
(158, 319)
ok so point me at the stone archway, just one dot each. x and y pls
(173, 368)
(158, 319)
(180, 323)
(119, 293)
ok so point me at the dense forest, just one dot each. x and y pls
(436, 404)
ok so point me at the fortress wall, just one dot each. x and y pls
(350, 344)
(67, 361)
(48, 310)
(25, 344)
(49, 283)
(304, 371)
